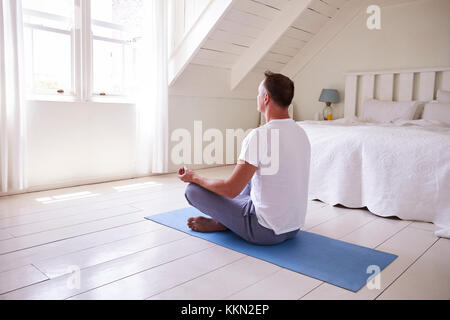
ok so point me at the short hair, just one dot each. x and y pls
(280, 88)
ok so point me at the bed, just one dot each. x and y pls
(399, 168)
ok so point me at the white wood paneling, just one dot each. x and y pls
(368, 87)
(291, 42)
(427, 81)
(336, 3)
(298, 34)
(271, 65)
(265, 42)
(323, 7)
(211, 63)
(277, 57)
(351, 85)
(417, 84)
(445, 82)
(193, 41)
(278, 4)
(217, 55)
(215, 58)
(256, 8)
(282, 49)
(344, 16)
(238, 28)
(224, 46)
(310, 21)
(405, 86)
(385, 87)
(233, 38)
(247, 19)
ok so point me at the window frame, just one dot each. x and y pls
(32, 27)
(82, 71)
(123, 44)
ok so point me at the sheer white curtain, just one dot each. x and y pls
(12, 107)
(152, 103)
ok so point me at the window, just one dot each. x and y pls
(99, 59)
(116, 28)
(49, 43)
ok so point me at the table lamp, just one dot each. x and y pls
(328, 96)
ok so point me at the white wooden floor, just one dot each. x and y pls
(46, 237)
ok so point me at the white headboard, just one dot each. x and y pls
(393, 85)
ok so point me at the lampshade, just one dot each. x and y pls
(329, 95)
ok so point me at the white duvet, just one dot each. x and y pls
(398, 169)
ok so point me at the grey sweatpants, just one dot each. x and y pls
(237, 214)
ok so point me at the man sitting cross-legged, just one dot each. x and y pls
(262, 202)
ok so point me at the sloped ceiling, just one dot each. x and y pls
(248, 19)
(257, 35)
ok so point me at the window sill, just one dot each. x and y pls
(52, 98)
(95, 99)
(114, 99)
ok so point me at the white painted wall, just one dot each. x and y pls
(77, 143)
(414, 35)
(216, 113)
(203, 94)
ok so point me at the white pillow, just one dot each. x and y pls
(387, 111)
(443, 96)
(437, 111)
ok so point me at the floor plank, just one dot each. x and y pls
(227, 281)
(428, 278)
(103, 203)
(19, 278)
(5, 235)
(51, 250)
(408, 244)
(113, 271)
(343, 224)
(376, 232)
(322, 214)
(59, 266)
(59, 223)
(37, 239)
(130, 215)
(282, 285)
(121, 255)
(147, 283)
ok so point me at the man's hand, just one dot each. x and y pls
(230, 187)
(186, 175)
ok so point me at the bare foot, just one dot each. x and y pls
(202, 224)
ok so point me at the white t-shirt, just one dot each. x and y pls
(280, 184)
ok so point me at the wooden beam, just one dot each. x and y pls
(290, 12)
(195, 38)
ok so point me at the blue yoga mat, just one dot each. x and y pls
(337, 262)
